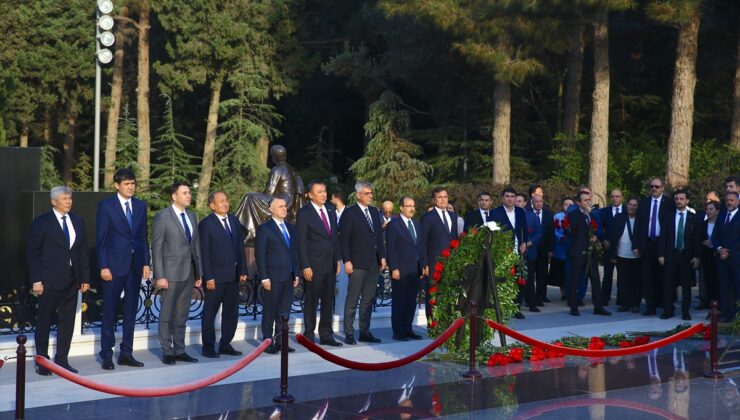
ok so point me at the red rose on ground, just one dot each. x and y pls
(625, 344)
(641, 339)
(437, 276)
(454, 243)
(596, 343)
(521, 281)
(446, 253)
(439, 267)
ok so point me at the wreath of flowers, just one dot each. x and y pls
(447, 296)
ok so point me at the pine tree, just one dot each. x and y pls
(82, 173)
(49, 175)
(390, 162)
(127, 144)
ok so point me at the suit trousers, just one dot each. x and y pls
(541, 276)
(225, 295)
(578, 271)
(63, 303)
(321, 288)
(527, 293)
(729, 288)
(708, 289)
(652, 276)
(607, 282)
(276, 303)
(363, 285)
(130, 284)
(677, 271)
(629, 292)
(173, 315)
(403, 306)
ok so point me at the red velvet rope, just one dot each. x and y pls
(595, 353)
(588, 402)
(153, 392)
(350, 364)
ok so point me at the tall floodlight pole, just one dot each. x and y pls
(103, 39)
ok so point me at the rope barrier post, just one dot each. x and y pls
(472, 373)
(284, 397)
(714, 372)
(20, 378)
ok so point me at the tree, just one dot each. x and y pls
(390, 162)
(735, 129)
(127, 144)
(685, 15)
(574, 73)
(600, 113)
(142, 93)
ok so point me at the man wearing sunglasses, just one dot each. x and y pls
(651, 214)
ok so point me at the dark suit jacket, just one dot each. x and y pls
(222, 254)
(534, 231)
(317, 249)
(473, 218)
(547, 243)
(579, 236)
(642, 222)
(691, 244)
(49, 255)
(275, 259)
(619, 224)
(404, 254)
(607, 218)
(521, 232)
(117, 243)
(728, 236)
(434, 236)
(360, 245)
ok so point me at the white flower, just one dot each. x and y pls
(492, 226)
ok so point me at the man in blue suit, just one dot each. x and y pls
(123, 258)
(406, 262)
(607, 215)
(535, 233)
(224, 268)
(726, 240)
(58, 266)
(277, 263)
(545, 248)
(363, 253)
(438, 228)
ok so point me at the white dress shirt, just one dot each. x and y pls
(123, 202)
(512, 219)
(444, 215)
(187, 219)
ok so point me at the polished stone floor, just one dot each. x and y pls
(661, 384)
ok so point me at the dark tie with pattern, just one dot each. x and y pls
(228, 229)
(444, 220)
(129, 217)
(369, 220)
(411, 231)
(65, 228)
(285, 234)
(188, 235)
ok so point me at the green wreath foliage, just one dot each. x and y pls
(447, 296)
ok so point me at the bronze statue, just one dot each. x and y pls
(283, 182)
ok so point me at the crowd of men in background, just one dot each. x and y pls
(657, 244)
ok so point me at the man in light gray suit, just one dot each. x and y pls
(176, 260)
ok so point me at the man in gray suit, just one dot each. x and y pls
(176, 260)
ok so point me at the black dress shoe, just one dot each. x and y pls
(666, 315)
(414, 336)
(702, 306)
(546, 300)
(107, 364)
(534, 309)
(541, 304)
(332, 342)
(42, 371)
(67, 366)
(129, 361)
(622, 309)
(574, 312)
(686, 317)
(519, 315)
(349, 340)
(368, 338)
(649, 313)
(228, 350)
(292, 350)
(601, 311)
(210, 353)
(399, 337)
(271, 349)
(168, 360)
(186, 358)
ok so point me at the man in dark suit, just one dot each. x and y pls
(708, 288)
(224, 268)
(678, 253)
(438, 228)
(534, 232)
(123, 258)
(726, 239)
(406, 262)
(651, 213)
(277, 263)
(481, 215)
(606, 216)
(58, 266)
(544, 249)
(363, 253)
(581, 262)
(621, 252)
(318, 255)
(512, 217)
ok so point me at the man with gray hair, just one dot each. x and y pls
(58, 266)
(363, 252)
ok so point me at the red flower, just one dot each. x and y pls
(439, 267)
(454, 243)
(436, 281)
(556, 223)
(433, 289)
(432, 324)
(537, 354)
(433, 302)
(641, 339)
(594, 225)
(473, 231)
(566, 223)
(596, 343)
(516, 355)
(437, 276)
(463, 233)
(513, 271)
(626, 344)
(446, 253)
(521, 281)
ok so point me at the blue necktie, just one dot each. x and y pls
(285, 234)
(66, 231)
(129, 217)
(228, 229)
(187, 228)
(412, 231)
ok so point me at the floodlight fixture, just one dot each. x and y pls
(105, 6)
(105, 56)
(107, 39)
(105, 22)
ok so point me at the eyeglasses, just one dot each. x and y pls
(656, 186)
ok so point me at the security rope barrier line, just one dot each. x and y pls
(154, 392)
(596, 353)
(350, 364)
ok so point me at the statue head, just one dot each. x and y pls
(278, 154)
